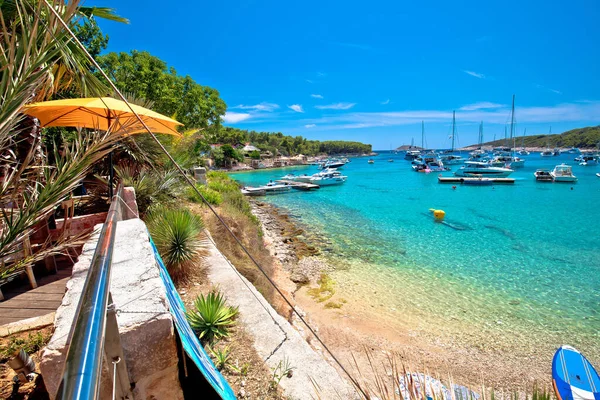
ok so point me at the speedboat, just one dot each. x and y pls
(543, 175)
(390, 160)
(412, 154)
(473, 168)
(574, 150)
(513, 162)
(326, 179)
(422, 167)
(333, 163)
(588, 161)
(371, 161)
(547, 153)
(452, 159)
(253, 191)
(563, 173)
(276, 188)
(523, 152)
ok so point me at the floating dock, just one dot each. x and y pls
(298, 185)
(463, 179)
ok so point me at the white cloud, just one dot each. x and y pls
(566, 112)
(264, 106)
(386, 102)
(310, 125)
(231, 117)
(316, 96)
(296, 107)
(482, 105)
(321, 74)
(336, 106)
(475, 74)
(309, 81)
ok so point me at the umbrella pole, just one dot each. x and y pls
(111, 175)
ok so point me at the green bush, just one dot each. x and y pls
(211, 318)
(178, 235)
(33, 343)
(213, 197)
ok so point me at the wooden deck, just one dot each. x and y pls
(23, 302)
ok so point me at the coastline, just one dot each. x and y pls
(351, 327)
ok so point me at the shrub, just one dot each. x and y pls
(209, 194)
(211, 318)
(179, 238)
(151, 186)
(33, 343)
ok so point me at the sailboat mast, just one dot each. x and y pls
(423, 134)
(512, 117)
(453, 128)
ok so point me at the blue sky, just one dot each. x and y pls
(371, 71)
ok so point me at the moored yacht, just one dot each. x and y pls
(328, 178)
(411, 154)
(563, 173)
(452, 159)
(543, 175)
(473, 168)
(511, 161)
(588, 160)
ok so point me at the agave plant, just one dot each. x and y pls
(179, 238)
(211, 318)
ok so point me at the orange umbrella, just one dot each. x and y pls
(102, 113)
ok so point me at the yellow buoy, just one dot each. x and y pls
(438, 214)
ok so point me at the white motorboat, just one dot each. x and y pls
(523, 152)
(508, 161)
(253, 191)
(543, 175)
(327, 179)
(563, 173)
(452, 159)
(421, 167)
(474, 168)
(275, 188)
(412, 154)
(574, 150)
(547, 153)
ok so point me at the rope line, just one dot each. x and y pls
(193, 186)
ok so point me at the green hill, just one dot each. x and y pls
(581, 137)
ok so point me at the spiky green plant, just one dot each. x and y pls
(179, 238)
(221, 356)
(211, 318)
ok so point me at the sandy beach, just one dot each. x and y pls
(365, 321)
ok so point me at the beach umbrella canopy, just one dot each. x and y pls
(102, 113)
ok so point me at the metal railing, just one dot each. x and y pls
(95, 330)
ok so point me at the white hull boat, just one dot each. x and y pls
(563, 173)
(472, 168)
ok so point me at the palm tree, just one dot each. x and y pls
(38, 57)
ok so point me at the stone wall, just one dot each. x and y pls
(145, 324)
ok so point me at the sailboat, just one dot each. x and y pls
(452, 159)
(547, 152)
(479, 153)
(511, 160)
(523, 152)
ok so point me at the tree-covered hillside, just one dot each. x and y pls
(581, 137)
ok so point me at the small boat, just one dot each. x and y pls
(547, 153)
(587, 161)
(543, 175)
(371, 161)
(556, 152)
(573, 376)
(563, 173)
(452, 160)
(422, 167)
(327, 179)
(253, 191)
(275, 188)
(514, 162)
(412, 154)
(523, 152)
(598, 174)
(390, 160)
(473, 168)
(574, 150)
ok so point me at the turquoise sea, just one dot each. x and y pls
(523, 273)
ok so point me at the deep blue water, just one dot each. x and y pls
(527, 261)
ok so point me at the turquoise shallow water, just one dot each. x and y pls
(526, 267)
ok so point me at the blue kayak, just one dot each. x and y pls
(573, 376)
